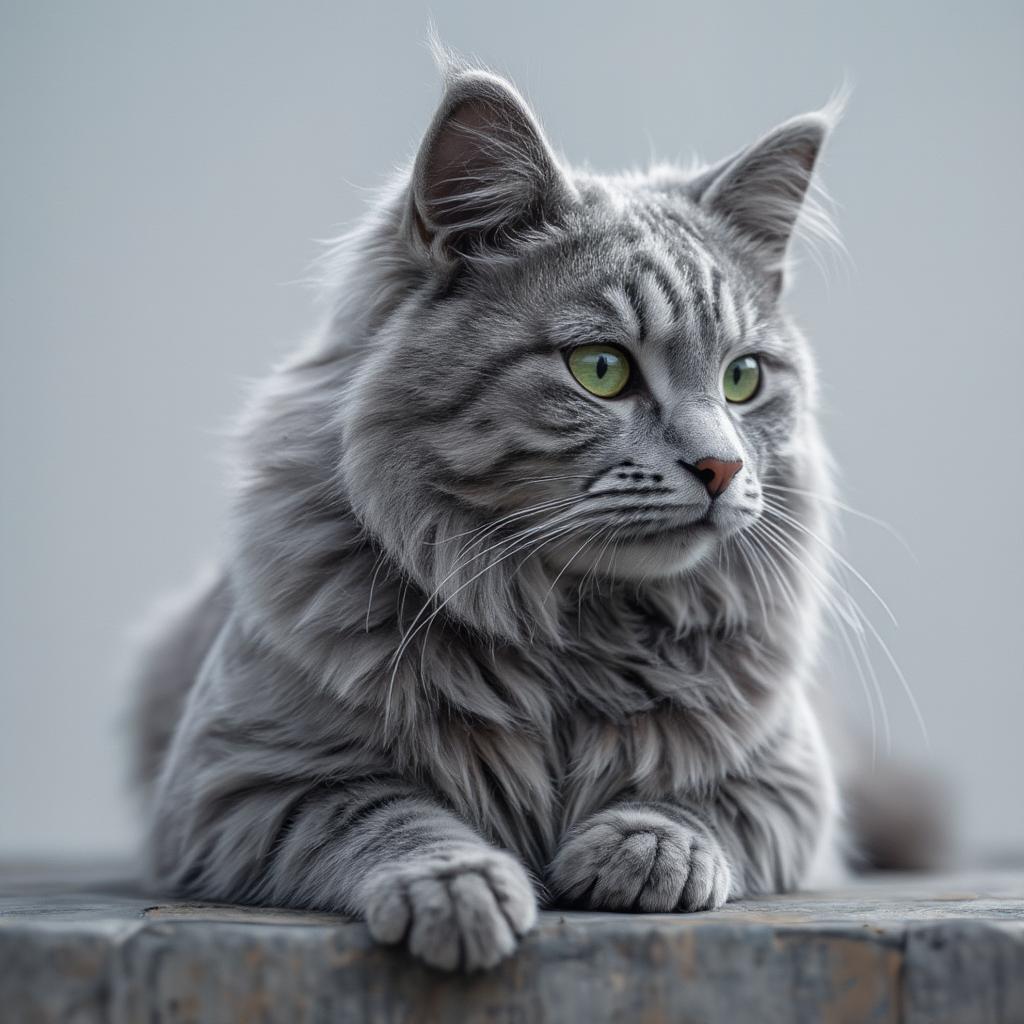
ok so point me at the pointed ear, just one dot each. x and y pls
(484, 172)
(761, 190)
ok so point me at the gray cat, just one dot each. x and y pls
(519, 605)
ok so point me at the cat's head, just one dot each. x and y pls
(568, 373)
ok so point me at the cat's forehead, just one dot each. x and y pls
(643, 267)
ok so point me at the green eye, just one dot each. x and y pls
(742, 379)
(602, 369)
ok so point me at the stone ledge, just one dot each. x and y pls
(75, 946)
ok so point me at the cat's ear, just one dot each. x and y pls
(762, 190)
(484, 173)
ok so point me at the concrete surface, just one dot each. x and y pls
(78, 946)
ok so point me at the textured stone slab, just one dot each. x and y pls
(75, 946)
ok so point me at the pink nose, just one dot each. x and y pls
(715, 474)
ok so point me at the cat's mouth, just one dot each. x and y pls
(704, 520)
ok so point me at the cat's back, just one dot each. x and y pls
(173, 645)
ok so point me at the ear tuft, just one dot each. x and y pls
(484, 172)
(762, 190)
(449, 63)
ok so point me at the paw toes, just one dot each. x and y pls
(699, 883)
(641, 860)
(485, 932)
(707, 886)
(434, 936)
(457, 911)
(626, 872)
(720, 891)
(514, 896)
(388, 916)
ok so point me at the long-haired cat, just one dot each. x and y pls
(516, 608)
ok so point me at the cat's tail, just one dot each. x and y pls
(898, 816)
(169, 651)
(896, 810)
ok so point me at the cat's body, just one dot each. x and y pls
(471, 606)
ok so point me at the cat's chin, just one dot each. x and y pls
(651, 557)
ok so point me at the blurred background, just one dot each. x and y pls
(167, 169)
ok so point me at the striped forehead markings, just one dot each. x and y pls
(635, 294)
(688, 278)
(673, 295)
(663, 306)
(658, 297)
(664, 282)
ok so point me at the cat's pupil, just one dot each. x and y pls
(736, 374)
(602, 366)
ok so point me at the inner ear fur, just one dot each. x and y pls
(484, 169)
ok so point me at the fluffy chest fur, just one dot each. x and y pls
(643, 697)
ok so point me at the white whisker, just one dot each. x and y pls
(772, 509)
(827, 499)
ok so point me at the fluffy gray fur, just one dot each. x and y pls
(481, 638)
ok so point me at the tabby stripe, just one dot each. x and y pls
(716, 294)
(775, 407)
(407, 825)
(611, 301)
(511, 458)
(632, 290)
(343, 821)
(703, 313)
(484, 379)
(689, 273)
(743, 317)
(550, 428)
(669, 288)
(293, 812)
(728, 318)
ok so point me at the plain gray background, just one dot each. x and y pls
(166, 167)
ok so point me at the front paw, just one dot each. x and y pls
(457, 908)
(633, 858)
